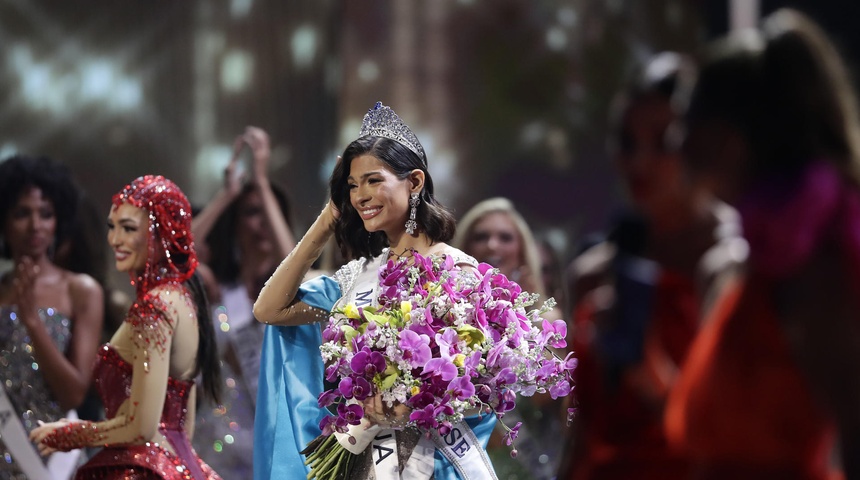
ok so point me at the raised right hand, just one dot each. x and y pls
(332, 210)
(233, 178)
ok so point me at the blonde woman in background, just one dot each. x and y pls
(494, 232)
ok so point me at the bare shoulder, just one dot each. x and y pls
(460, 257)
(593, 263)
(83, 283)
(729, 252)
(169, 292)
(84, 288)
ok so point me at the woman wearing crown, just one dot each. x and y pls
(382, 207)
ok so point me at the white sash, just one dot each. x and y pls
(461, 447)
(244, 336)
(61, 465)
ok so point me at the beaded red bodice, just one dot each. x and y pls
(113, 380)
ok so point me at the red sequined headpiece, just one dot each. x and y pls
(171, 257)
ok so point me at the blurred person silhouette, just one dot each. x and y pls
(774, 376)
(494, 232)
(638, 294)
(50, 317)
(146, 373)
(246, 227)
(552, 271)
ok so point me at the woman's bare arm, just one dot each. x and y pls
(277, 301)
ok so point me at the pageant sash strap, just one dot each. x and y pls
(18, 442)
(384, 455)
(422, 463)
(463, 449)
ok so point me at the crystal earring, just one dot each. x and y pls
(411, 225)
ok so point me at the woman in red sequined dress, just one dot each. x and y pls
(145, 374)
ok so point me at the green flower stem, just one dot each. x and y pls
(329, 456)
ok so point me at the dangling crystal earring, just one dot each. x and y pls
(411, 225)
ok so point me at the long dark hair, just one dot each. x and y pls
(786, 91)
(432, 217)
(208, 362)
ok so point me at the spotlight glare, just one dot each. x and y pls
(236, 71)
(97, 78)
(303, 45)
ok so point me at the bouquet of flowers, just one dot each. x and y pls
(442, 341)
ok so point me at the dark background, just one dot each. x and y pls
(510, 97)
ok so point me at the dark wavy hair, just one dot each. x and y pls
(787, 91)
(208, 359)
(432, 217)
(21, 172)
(222, 240)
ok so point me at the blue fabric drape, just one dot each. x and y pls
(291, 379)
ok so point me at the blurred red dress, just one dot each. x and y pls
(621, 422)
(742, 407)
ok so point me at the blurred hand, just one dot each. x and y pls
(26, 272)
(233, 177)
(379, 413)
(258, 141)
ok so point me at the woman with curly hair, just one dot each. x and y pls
(50, 318)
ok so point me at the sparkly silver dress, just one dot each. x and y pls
(22, 379)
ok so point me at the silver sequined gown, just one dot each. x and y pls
(22, 379)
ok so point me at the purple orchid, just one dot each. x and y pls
(357, 388)
(367, 362)
(447, 342)
(327, 398)
(511, 435)
(554, 334)
(461, 388)
(415, 348)
(443, 368)
(352, 414)
(559, 389)
(474, 342)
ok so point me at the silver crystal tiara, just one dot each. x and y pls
(381, 121)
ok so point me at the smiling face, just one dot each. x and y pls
(128, 231)
(380, 198)
(30, 224)
(494, 239)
